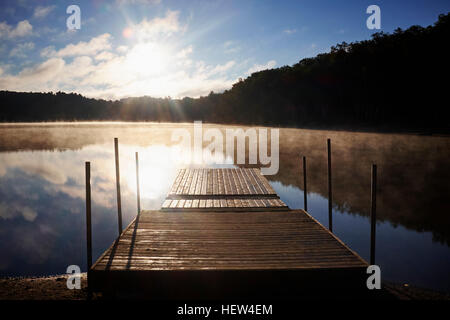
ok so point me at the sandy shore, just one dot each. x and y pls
(41, 288)
(54, 288)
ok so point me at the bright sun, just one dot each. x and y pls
(147, 59)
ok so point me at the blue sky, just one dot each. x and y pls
(177, 48)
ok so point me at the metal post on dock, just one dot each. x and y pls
(119, 203)
(88, 224)
(88, 215)
(305, 191)
(137, 185)
(373, 214)
(330, 193)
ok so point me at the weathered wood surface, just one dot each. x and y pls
(219, 204)
(257, 240)
(242, 189)
(221, 182)
(189, 249)
(220, 253)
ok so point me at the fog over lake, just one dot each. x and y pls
(42, 192)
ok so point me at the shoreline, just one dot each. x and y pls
(54, 288)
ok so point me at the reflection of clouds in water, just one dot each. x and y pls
(12, 210)
(65, 170)
(394, 242)
(31, 227)
(35, 246)
(53, 175)
(42, 204)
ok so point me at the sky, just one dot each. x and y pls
(178, 48)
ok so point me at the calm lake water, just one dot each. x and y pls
(42, 192)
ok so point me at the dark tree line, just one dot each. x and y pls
(393, 81)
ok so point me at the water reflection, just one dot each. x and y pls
(404, 256)
(42, 227)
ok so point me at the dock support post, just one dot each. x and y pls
(88, 223)
(305, 191)
(119, 203)
(373, 214)
(137, 185)
(330, 193)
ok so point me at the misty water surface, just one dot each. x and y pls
(42, 209)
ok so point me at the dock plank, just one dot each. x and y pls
(255, 246)
(224, 181)
(172, 240)
(223, 189)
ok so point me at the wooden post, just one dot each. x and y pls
(330, 193)
(373, 214)
(88, 226)
(305, 190)
(137, 185)
(88, 216)
(119, 203)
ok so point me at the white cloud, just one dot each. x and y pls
(122, 2)
(151, 66)
(122, 49)
(185, 52)
(4, 68)
(157, 27)
(104, 55)
(230, 47)
(95, 45)
(22, 29)
(222, 68)
(44, 71)
(48, 51)
(258, 67)
(37, 78)
(21, 49)
(46, 30)
(232, 50)
(41, 12)
(140, 71)
(290, 31)
(79, 68)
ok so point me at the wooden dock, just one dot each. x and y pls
(225, 233)
(221, 190)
